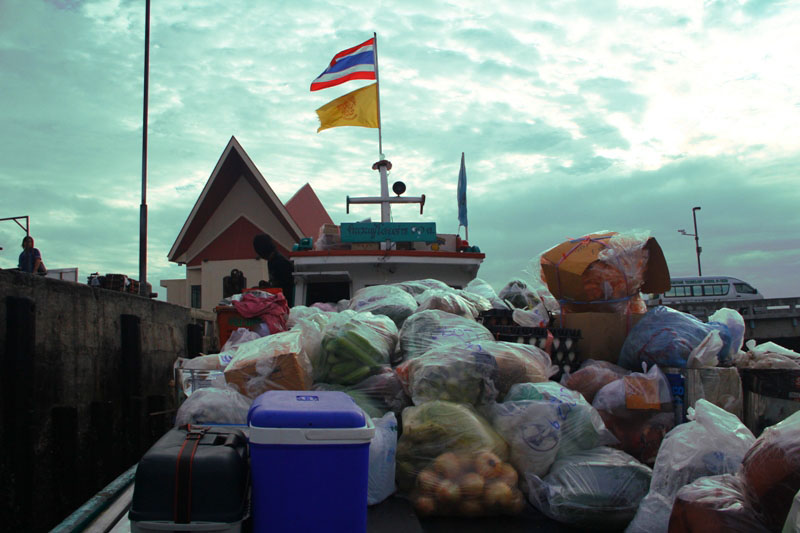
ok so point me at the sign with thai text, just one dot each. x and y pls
(388, 231)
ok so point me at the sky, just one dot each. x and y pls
(574, 117)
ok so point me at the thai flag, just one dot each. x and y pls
(356, 63)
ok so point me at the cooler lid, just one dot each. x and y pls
(305, 409)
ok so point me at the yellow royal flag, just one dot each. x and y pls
(357, 108)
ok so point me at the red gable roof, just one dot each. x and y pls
(236, 242)
(308, 211)
(233, 163)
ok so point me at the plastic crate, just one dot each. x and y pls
(497, 317)
(229, 320)
(560, 343)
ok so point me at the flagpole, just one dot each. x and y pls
(378, 89)
(143, 207)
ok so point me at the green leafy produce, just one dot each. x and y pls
(355, 346)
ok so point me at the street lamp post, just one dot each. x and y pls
(696, 236)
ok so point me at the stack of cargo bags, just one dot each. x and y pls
(471, 426)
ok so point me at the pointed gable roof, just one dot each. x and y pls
(233, 164)
(308, 211)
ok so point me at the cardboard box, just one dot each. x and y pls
(563, 267)
(365, 246)
(602, 334)
(330, 229)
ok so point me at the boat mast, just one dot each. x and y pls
(383, 167)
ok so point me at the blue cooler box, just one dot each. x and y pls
(309, 457)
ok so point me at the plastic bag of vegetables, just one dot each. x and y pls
(451, 462)
(419, 286)
(354, 346)
(713, 442)
(715, 504)
(666, 337)
(771, 470)
(386, 300)
(448, 300)
(519, 295)
(280, 361)
(638, 410)
(475, 373)
(593, 376)
(423, 330)
(543, 422)
(377, 394)
(482, 288)
(594, 489)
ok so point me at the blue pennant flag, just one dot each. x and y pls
(462, 194)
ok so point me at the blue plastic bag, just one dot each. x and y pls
(665, 337)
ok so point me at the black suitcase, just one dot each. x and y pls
(192, 475)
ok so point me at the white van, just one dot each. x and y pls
(707, 289)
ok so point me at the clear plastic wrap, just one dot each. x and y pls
(447, 300)
(387, 300)
(213, 406)
(594, 489)
(329, 238)
(377, 394)
(592, 376)
(476, 374)
(517, 293)
(612, 282)
(713, 442)
(638, 410)
(382, 452)
(714, 504)
(200, 372)
(275, 362)
(354, 346)
(482, 288)
(720, 386)
(666, 337)
(543, 422)
(771, 470)
(432, 327)
(451, 462)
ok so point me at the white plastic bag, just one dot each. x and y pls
(543, 422)
(214, 406)
(240, 336)
(735, 323)
(712, 443)
(706, 353)
(382, 451)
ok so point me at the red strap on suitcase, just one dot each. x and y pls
(182, 505)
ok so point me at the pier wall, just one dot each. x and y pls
(86, 388)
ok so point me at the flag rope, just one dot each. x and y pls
(378, 89)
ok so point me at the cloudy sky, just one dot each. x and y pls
(575, 116)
